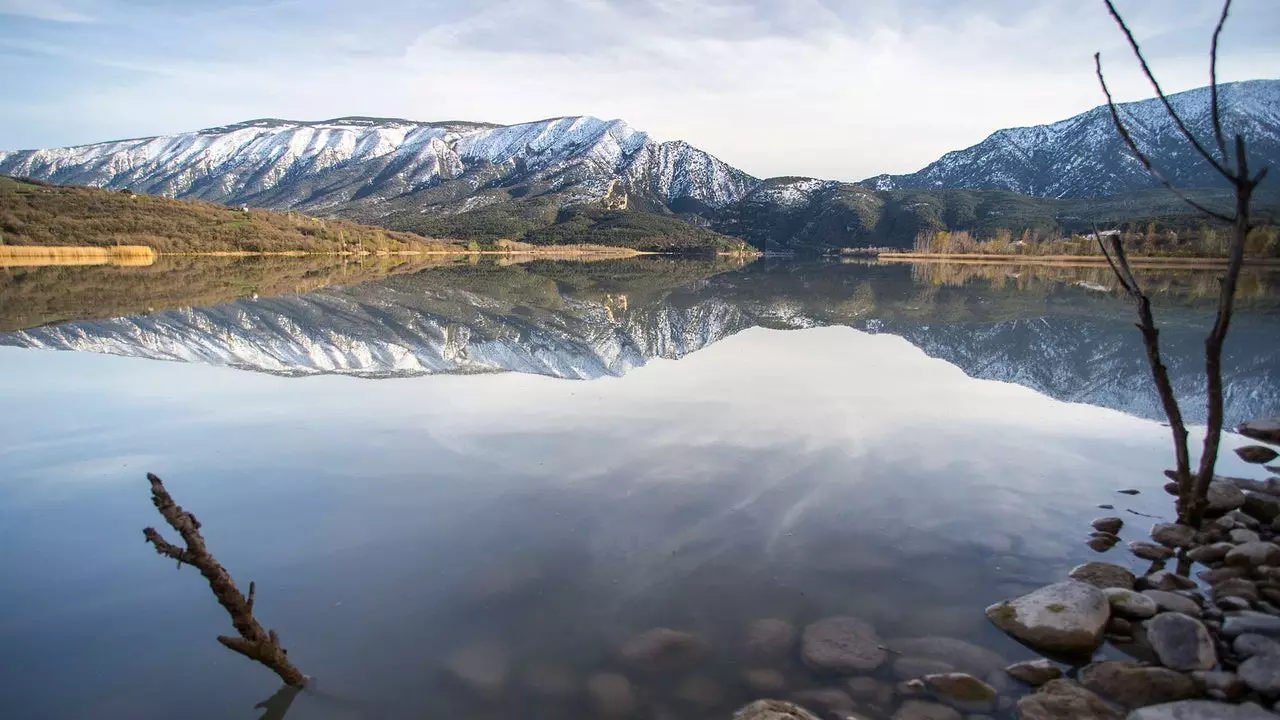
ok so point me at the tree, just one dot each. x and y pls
(1193, 489)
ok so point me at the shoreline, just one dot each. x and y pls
(1147, 261)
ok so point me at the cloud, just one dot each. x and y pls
(799, 87)
(48, 10)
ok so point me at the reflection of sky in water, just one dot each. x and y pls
(790, 474)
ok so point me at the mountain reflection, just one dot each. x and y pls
(1062, 331)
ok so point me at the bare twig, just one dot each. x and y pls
(1141, 156)
(254, 642)
(1168, 106)
(1213, 84)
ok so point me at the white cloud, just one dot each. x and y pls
(50, 10)
(803, 87)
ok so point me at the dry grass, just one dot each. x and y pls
(42, 255)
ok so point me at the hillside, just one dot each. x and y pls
(41, 214)
(1084, 156)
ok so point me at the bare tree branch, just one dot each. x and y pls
(1146, 70)
(1142, 158)
(255, 642)
(1213, 85)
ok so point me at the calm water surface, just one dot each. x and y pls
(546, 460)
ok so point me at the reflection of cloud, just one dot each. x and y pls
(813, 87)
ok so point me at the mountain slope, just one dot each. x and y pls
(1084, 156)
(371, 168)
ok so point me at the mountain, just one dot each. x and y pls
(396, 172)
(582, 179)
(1084, 156)
(1057, 334)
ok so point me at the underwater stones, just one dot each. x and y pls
(764, 680)
(1201, 710)
(961, 691)
(842, 644)
(1067, 617)
(611, 694)
(1065, 700)
(768, 639)
(1181, 642)
(924, 710)
(700, 690)
(910, 668)
(960, 654)
(481, 666)
(832, 700)
(661, 649)
(1103, 575)
(549, 680)
(1133, 685)
(1034, 672)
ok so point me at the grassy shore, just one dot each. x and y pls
(1066, 260)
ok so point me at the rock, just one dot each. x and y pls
(832, 700)
(612, 696)
(769, 639)
(1244, 519)
(1220, 685)
(764, 680)
(1102, 542)
(1253, 554)
(1266, 430)
(1261, 673)
(1066, 617)
(1240, 536)
(1173, 602)
(704, 692)
(772, 710)
(549, 680)
(910, 688)
(1150, 551)
(909, 668)
(1256, 623)
(1256, 454)
(1201, 710)
(1206, 554)
(963, 656)
(1181, 642)
(1173, 535)
(661, 649)
(1165, 580)
(1217, 575)
(1106, 507)
(1103, 575)
(870, 690)
(481, 666)
(1261, 506)
(1236, 587)
(922, 710)
(1233, 603)
(1119, 626)
(1224, 497)
(1034, 672)
(1133, 685)
(1108, 525)
(1129, 491)
(962, 691)
(1127, 603)
(1065, 700)
(1172, 488)
(1250, 644)
(842, 645)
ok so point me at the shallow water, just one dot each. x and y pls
(729, 459)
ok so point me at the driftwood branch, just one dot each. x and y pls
(254, 641)
(1193, 492)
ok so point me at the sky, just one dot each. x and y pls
(839, 89)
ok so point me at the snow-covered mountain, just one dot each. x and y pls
(357, 165)
(1084, 156)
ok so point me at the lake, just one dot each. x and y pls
(463, 489)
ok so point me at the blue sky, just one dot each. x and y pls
(832, 88)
